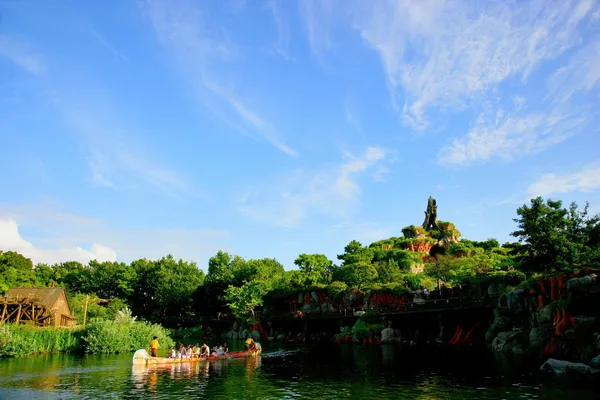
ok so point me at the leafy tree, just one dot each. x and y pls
(74, 276)
(44, 274)
(111, 279)
(444, 268)
(388, 271)
(359, 275)
(164, 288)
(242, 300)
(317, 268)
(354, 252)
(487, 245)
(555, 238)
(15, 270)
(224, 270)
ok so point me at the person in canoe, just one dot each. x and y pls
(154, 346)
(196, 350)
(204, 350)
(250, 344)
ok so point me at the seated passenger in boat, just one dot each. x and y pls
(204, 351)
(182, 353)
(189, 352)
(225, 349)
(196, 350)
(172, 352)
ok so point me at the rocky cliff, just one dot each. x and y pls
(555, 317)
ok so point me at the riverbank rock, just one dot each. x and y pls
(512, 342)
(566, 368)
(585, 322)
(545, 315)
(595, 363)
(586, 283)
(501, 324)
(538, 337)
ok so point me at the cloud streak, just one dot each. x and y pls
(117, 160)
(587, 179)
(509, 136)
(448, 53)
(21, 54)
(11, 240)
(333, 192)
(202, 58)
(59, 236)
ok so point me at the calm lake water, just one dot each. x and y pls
(314, 372)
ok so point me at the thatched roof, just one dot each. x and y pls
(45, 295)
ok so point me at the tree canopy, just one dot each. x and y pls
(551, 238)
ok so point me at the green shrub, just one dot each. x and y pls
(103, 336)
(21, 340)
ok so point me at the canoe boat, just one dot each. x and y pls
(142, 357)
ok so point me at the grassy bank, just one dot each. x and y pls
(99, 336)
(19, 340)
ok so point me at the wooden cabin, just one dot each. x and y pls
(43, 306)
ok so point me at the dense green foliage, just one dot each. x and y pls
(19, 340)
(103, 336)
(174, 292)
(556, 238)
(99, 336)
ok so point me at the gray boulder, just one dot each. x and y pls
(595, 363)
(566, 368)
(511, 342)
(545, 315)
(538, 338)
(588, 283)
(585, 322)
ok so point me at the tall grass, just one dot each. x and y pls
(19, 340)
(99, 336)
(103, 336)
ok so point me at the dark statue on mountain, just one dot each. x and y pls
(431, 220)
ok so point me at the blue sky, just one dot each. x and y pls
(136, 129)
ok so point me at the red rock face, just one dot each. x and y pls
(424, 247)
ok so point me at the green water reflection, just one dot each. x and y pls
(323, 372)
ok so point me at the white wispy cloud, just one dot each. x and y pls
(365, 232)
(203, 55)
(448, 53)
(118, 157)
(507, 136)
(281, 19)
(579, 75)
(352, 113)
(318, 18)
(334, 192)
(11, 240)
(587, 179)
(21, 54)
(106, 44)
(59, 236)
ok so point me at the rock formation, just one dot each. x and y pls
(431, 220)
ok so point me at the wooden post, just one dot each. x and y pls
(87, 298)
(19, 314)
(3, 313)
